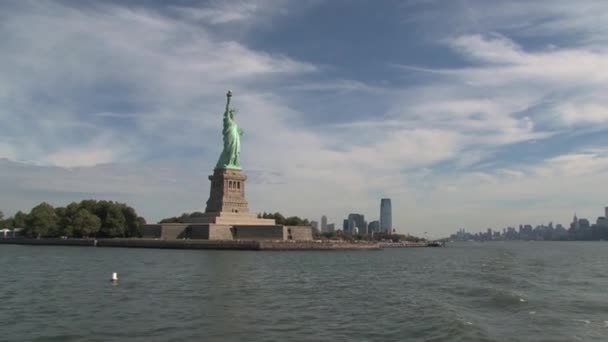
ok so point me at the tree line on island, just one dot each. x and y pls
(88, 218)
(109, 219)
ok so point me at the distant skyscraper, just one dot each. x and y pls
(324, 223)
(331, 228)
(574, 224)
(314, 224)
(606, 214)
(356, 221)
(373, 226)
(386, 216)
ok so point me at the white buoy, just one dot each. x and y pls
(114, 277)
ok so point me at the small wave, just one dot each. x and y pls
(586, 321)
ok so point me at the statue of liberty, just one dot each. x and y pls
(231, 154)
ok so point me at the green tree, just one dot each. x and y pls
(61, 228)
(280, 219)
(113, 222)
(19, 220)
(132, 222)
(84, 224)
(90, 205)
(100, 209)
(293, 221)
(141, 221)
(80, 219)
(8, 223)
(169, 220)
(183, 217)
(41, 221)
(1, 215)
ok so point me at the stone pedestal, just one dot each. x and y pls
(227, 192)
(227, 204)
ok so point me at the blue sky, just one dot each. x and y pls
(466, 113)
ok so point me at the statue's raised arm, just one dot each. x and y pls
(228, 96)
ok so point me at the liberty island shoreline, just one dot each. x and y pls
(263, 245)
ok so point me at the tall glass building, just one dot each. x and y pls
(386, 215)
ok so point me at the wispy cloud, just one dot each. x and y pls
(222, 13)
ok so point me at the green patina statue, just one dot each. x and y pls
(231, 154)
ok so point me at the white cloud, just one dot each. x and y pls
(6, 151)
(578, 75)
(222, 13)
(499, 50)
(584, 113)
(499, 99)
(581, 22)
(72, 157)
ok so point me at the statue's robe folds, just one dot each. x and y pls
(230, 157)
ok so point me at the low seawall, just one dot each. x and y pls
(316, 245)
(178, 244)
(48, 242)
(197, 244)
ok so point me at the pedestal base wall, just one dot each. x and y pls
(206, 231)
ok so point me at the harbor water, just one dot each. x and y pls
(497, 291)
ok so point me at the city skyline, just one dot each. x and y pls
(543, 231)
(356, 224)
(494, 117)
